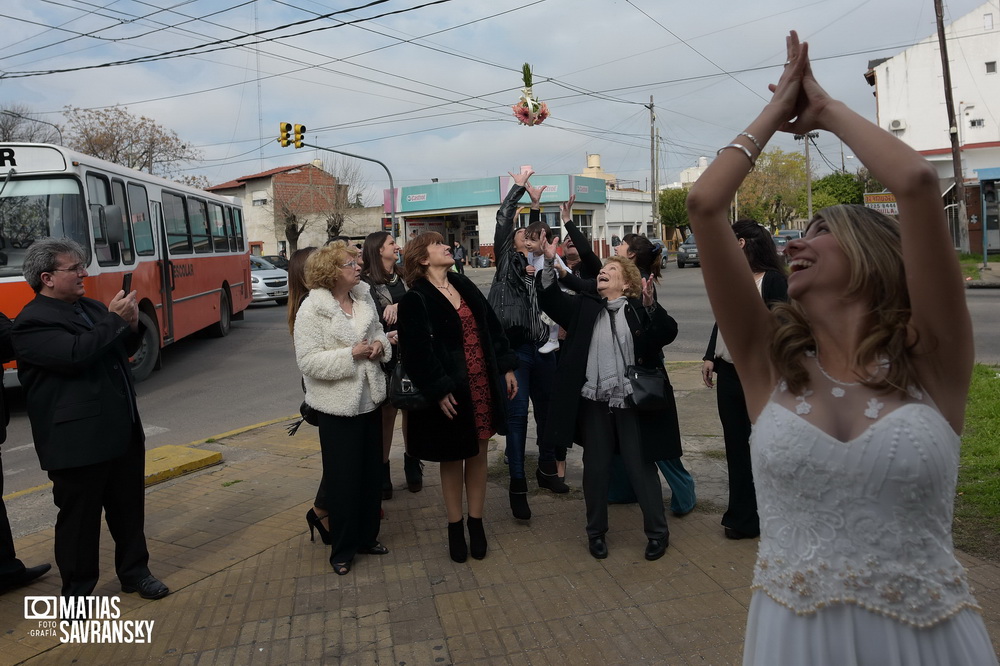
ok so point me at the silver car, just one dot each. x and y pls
(269, 283)
(687, 253)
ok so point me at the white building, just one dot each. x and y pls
(911, 102)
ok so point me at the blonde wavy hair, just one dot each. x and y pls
(323, 268)
(631, 274)
(874, 252)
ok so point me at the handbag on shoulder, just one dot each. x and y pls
(649, 385)
(403, 393)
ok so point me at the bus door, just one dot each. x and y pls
(166, 275)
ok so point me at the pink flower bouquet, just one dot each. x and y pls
(528, 110)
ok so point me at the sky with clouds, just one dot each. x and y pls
(426, 85)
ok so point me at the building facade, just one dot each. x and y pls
(911, 103)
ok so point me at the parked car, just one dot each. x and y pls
(779, 244)
(687, 253)
(790, 233)
(276, 260)
(657, 242)
(269, 283)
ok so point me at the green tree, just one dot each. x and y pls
(770, 193)
(673, 211)
(840, 187)
(136, 142)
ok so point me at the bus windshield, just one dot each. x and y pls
(38, 208)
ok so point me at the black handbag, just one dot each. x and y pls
(403, 393)
(649, 385)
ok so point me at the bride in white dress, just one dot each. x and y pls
(857, 406)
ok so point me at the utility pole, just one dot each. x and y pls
(809, 189)
(652, 163)
(953, 121)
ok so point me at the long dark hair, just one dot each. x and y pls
(297, 288)
(758, 247)
(645, 255)
(373, 272)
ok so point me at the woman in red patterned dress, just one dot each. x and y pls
(454, 350)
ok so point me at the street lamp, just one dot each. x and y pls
(7, 112)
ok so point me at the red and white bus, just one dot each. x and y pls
(184, 247)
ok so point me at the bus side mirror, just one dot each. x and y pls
(114, 224)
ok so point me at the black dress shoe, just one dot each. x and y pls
(598, 547)
(733, 534)
(656, 547)
(28, 575)
(148, 588)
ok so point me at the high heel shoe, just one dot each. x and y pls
(414, 471)
(477, 538)
(457, 547)
(316, 523)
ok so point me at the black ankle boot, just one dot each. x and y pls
(477, 538)
(548, 477)
(386, 482)
(519, 499)
(457, 547)
(414, 470)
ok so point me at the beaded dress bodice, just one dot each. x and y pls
(855, 492)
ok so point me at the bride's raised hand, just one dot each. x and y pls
(787, 92)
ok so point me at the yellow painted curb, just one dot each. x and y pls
(240, 431)
(26, 491)
(170, 461)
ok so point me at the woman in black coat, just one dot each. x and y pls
(454, 350)
(590, 403)
(740, 521)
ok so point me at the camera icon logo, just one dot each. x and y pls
(41, 608)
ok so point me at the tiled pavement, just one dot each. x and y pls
(250, 588)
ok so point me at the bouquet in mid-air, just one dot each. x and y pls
(528, 110)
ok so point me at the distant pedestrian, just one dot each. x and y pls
(460, 257)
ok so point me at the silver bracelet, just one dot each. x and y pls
(750, 136)
(746, 151)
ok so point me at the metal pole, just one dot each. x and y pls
(652, 160)
(392, 190)
(956, 149)
(36, 120)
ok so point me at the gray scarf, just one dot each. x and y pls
(606, 381)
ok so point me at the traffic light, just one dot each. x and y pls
(284, 129)
(300, 135)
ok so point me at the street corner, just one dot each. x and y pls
(170, 461)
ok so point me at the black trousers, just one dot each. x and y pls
(117, 486)
(606, 429)
(741, 515)
(11, 568)
(352, 476)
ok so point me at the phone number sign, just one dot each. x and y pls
(884, 202)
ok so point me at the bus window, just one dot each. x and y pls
(99, 193)
(198, 219)
(118, 190)
(142, 229)
(237, 228)
(175, 221)
(37, 208)
(218, 223)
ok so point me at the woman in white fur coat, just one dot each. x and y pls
(339, 343)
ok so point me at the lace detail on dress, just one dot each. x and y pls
(857, 517)
(479, 380)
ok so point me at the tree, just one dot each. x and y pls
(840, 187)
(304, 198)
(673, 210)
(136, 142)
(770, 193)
(350, 174)
(201, 182)
(18, 123)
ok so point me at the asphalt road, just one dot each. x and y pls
(210, 386)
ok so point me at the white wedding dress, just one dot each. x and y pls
(855, 565)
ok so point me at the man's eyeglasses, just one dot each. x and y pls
(79, 269)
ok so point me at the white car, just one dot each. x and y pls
(269, 283)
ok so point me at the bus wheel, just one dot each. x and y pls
(221, 329)
(144, 360)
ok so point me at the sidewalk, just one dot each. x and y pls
(248, 587)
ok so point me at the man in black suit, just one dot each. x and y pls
(72, 360)
(13, 573)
